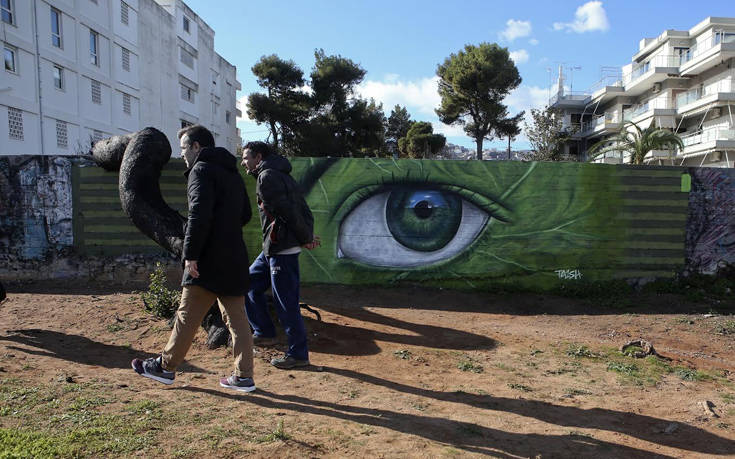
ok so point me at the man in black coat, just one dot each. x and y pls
(215, 260)
(288, 225)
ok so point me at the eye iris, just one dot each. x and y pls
(424, 220)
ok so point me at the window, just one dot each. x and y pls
(15, 123)
(9, 54)
(62, 134)
(94, 41)
(96, 92)
(185, 123)
(187, 58)
(126, 59)
(186, 25)
(56, 28)
(187, 93)
(126, 103)
(124, 12)
(58, 77)
(227, 117)
(7, 11)
(723, 37)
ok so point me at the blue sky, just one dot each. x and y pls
(401, 42)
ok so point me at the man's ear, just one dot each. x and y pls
(195, 146)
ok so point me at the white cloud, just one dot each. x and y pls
(533, 41)
(448, 130)
(519, 56)
(419, 96)
(527, 97)
(589, 17)
(515, 29)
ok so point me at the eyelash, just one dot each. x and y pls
(494, 208)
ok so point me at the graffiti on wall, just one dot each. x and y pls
(472, 223)
(711, 224)
(481, 223)
(35, 206)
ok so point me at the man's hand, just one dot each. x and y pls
(192, 267)
(316, 242)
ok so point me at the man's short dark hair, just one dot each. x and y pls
(197, 133)
(256, 146)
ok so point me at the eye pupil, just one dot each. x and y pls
(423, 219)
(423, 210)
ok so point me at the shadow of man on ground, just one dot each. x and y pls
(648, 428)
(77, 349)
(463, 435)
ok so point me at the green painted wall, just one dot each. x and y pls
(451, 223)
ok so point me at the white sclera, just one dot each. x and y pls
(364, 236)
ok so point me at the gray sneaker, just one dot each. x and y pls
(237, 383)
(151, 368)
(288, 362)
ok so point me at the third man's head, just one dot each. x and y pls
(253, 153)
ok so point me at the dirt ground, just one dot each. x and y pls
(397, 372)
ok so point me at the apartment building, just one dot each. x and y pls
(76, 71)
(681, 80)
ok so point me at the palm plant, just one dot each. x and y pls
(637, 142)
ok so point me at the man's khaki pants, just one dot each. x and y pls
(195, 302)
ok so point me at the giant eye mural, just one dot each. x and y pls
(487, 223)
(401, 226)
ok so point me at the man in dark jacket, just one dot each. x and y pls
(215, 260)
(287, 226)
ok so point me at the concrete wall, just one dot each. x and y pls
(442, 223)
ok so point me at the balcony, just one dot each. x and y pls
(569, 99)
(600, 124)
(643, 75)
(660, 106)
(699, 98)
(706, 55)
(708, 139)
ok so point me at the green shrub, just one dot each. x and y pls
(159, 299)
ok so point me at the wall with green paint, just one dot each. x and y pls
(479, 224)
(449, 223)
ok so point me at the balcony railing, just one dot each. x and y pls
(637, 110)
(701, 48)
(594, 123)
(641, 69)
(707, 135)
(571, 96)
(700, 92)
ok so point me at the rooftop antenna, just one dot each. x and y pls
(571, 75)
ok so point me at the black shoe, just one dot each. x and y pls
(288, 362)
(151, 368)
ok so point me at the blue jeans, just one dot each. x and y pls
(281, 274)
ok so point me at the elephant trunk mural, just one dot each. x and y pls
(140, 157)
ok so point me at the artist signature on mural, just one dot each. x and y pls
(569, 274)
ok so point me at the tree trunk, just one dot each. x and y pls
(479, 148)
(274, 131)
(508, 147)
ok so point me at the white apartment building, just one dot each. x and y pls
(681, 80)
(77, 71)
